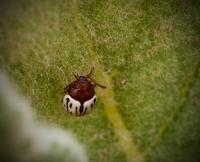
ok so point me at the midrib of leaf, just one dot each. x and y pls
(107, 96)
(174, 114)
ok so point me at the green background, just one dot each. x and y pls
(150, 49)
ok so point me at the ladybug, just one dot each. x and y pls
(80, 98)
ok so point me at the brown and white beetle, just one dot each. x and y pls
(80, 97)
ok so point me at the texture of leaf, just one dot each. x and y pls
(148, 49)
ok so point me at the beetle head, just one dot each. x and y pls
(82, 78)
(88, 77)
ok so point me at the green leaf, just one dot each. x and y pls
(146, 52)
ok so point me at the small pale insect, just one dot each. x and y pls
(80, 98)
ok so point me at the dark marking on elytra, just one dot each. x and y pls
(91, 105)
(95, 100)
(67, 101)
(70, 105)
(76, 111)
(85, 111)
(67, 108)
(81, 109)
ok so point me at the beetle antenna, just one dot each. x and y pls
(91, 71)
(75, 75)
(96, 82)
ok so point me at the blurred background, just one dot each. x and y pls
(147, 52)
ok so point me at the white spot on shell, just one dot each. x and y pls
(75, 105)
(74, 109)
(89, 104)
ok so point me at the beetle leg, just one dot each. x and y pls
(91, 71)
(66, 89)
(75, 75)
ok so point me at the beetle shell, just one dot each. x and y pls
(81, 90)
(75, 108)
(80, 98)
